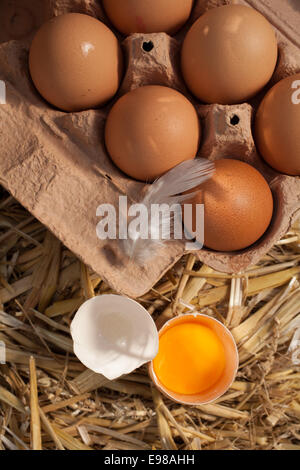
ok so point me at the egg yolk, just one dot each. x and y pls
(190, 360)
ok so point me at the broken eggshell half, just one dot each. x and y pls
(113, 335)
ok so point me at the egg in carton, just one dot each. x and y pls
(56, 164)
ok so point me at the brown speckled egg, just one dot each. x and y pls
(229, 54)
(277, 126)
(148, 16)
(150, 130)
(238, 206)
(75, 62)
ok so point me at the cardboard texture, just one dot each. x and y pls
(56, 164)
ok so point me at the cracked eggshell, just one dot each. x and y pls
(113, 335)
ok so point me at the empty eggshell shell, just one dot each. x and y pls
(148, 16)
(113, 335)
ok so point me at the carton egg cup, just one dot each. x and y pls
(56, 164)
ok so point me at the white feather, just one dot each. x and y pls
(168, 189)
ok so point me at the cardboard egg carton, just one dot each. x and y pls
(56, 164)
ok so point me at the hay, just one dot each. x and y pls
(49, 400)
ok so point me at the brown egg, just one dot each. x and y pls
(229, 55)
(150, 130)
(277, 126)
(238, 206)
(75, 62)
(148, 16)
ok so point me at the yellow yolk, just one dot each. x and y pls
(190, 360)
